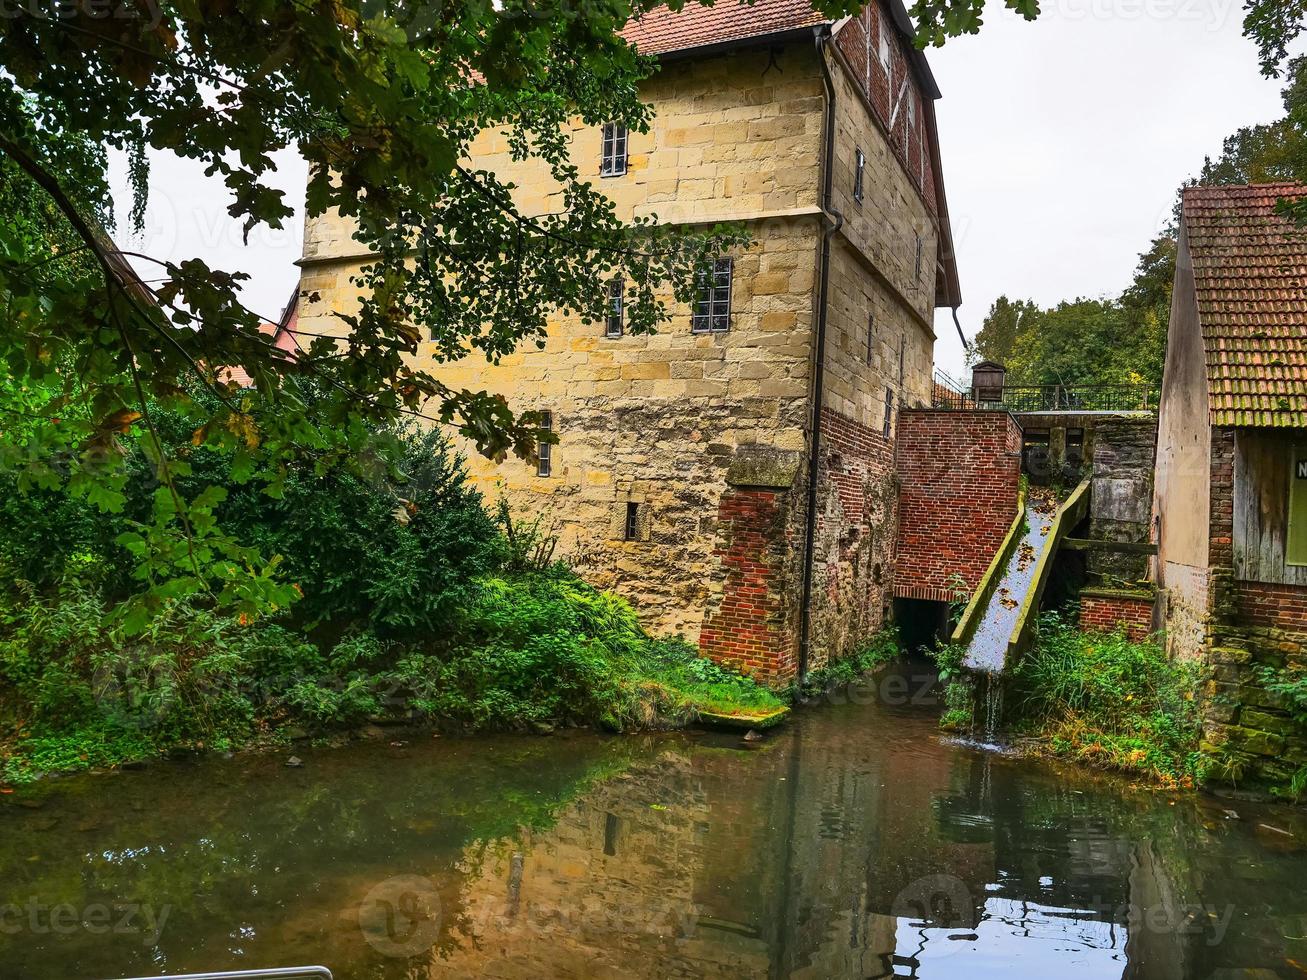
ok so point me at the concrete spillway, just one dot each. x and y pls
(999, 620)
(987, 650)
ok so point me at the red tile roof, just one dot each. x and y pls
(660, 31)
(1250, 276)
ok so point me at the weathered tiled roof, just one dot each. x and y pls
(1250, 276)
(660, 31)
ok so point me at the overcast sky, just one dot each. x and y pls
(1063, 142)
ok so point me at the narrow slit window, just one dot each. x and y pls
(613, 162)
(712, 311)
(613, 327)
(919, 256)
(889, 412)
(859, 169)
(545, 450)
(631, 532)
(871, 335)
(903, 351)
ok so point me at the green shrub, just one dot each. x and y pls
(879, 650)
(1106, 700)
(1289, 684)
(391, 549)
(528, 651)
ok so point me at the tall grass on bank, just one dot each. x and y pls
(529, 651)
(1101, 699)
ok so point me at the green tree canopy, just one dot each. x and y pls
(383, 100)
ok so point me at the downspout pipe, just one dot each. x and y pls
(834, 221)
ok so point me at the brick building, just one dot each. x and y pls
(1231, 484)
(681, 474)
(1231, 480)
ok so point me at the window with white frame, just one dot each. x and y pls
(859, 169)
(712, 311)
(613, 161)
(613, 324)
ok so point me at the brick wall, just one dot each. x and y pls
(751, 629)
(854, 548)
(1101, 612)
(1221, 537)
(1277, 606)
(959, 474)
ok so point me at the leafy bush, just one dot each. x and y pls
(529, 651)
(1103, 699)
(393, 550)
(879, 650)
(1289, 684)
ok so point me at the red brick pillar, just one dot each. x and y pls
(749, 630)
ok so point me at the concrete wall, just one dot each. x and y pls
(1183, 475)
(1122, 493)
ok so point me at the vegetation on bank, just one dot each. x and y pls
(1095, 698)
(1102, 699)
(883, 647)
(415, 605)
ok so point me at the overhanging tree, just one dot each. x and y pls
(383, 100)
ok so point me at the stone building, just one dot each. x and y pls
(1231, 480)
(681, 474)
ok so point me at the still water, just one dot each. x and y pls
(854, 842)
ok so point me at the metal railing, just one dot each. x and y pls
(284, 973)
(1049, 398)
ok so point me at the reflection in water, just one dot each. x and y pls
(854, 843)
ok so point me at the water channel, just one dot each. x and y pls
(853, 842)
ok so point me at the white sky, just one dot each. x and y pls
(1063, 142)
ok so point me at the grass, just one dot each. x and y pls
(1102, 700)
(882, 648)
(531, 651)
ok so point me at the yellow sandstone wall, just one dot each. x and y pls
(660, 420)
(657, 419)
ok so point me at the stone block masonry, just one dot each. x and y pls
(853, 553)
(959, 477)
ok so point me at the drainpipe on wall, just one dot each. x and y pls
(821, 36)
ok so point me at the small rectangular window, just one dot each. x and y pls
(613, 162)
(871, 335)
(613, 325)
(1296, 538)
(712, 312)
(889, 411)
(919, 256)
(631, 532)
(545, 450)
(903, 350)
(859, 168)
